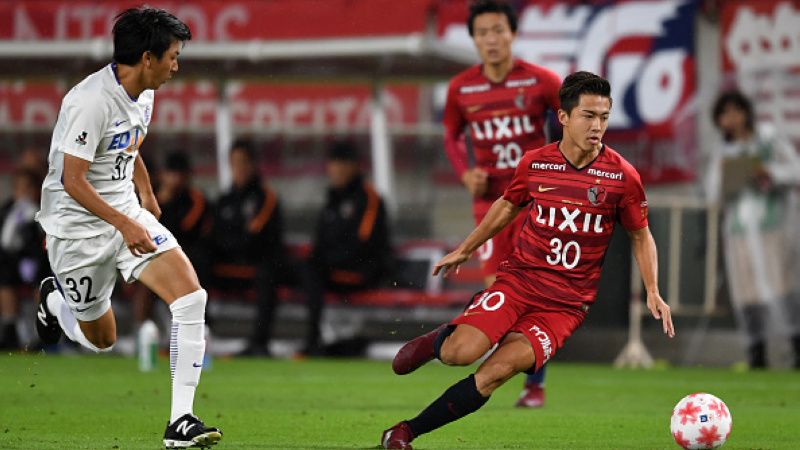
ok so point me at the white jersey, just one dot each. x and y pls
(100, 123)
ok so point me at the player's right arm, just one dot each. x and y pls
(77, 186)
(475, 180)
(87, 118)
(500, 214)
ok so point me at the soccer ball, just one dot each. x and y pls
(701, 421)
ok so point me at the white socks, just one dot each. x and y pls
(68, 322)
(187, 347)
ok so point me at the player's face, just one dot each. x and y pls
(732, 122)
(493, 37)
(161, 70)
(172, 180)
(340, 172)
(587, 122)
(242, 170)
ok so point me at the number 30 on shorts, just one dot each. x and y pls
(490, 301)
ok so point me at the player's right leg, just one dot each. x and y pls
(514, 354)
(459, 345)
(77, 300)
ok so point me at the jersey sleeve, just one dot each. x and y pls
(454, 145)
(86, 122)
(632, 209)
(517, 191)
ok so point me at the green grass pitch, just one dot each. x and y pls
(102, 402)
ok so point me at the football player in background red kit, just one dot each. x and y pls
(503, 103)
(571, 194)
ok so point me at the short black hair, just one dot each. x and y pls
(29, 175)
(145, 29)
(479, 7)
(736, 98)
(246, 147)
(178, 161)
(343, 151)
(582, 83)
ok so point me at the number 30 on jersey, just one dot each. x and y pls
(568, 255)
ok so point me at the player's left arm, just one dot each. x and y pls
(632, 214)
(644, 250)
(142, 181)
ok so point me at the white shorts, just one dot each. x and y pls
(86, 269)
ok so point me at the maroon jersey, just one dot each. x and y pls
(572, 214)
(504, 119)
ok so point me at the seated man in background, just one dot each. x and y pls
(247, 242)
(185, 212)
(22, 257)
(351, 248)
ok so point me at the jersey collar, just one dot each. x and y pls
(514, 66)
(581, 169)
(113, 67)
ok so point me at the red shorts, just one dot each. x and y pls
(499, 248)
(499, 310)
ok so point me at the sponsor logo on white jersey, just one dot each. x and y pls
(502, 127)
(81, 140)
(604, 174)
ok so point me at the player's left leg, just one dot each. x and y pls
(169, 274)
(532, 395)
(513, 355)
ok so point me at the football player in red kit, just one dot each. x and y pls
(571, 193)
(502, 104)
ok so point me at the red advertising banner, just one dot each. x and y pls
(760, 33)
(25, 104)
(273, 107)
(318, 106)
(215, 20)
(760, 43)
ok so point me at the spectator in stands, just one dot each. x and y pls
(34, 160)
(22, 257)
(247, 242)
(184, 211)
(351, 248)
(753, 175)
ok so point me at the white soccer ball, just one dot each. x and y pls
(701, 421)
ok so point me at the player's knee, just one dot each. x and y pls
(454, 354)
(103, 343)
(190, 309)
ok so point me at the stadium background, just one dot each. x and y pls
(292, 76)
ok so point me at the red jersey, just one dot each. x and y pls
(504, 119)
(572, 214)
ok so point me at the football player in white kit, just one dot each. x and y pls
(95, 225)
